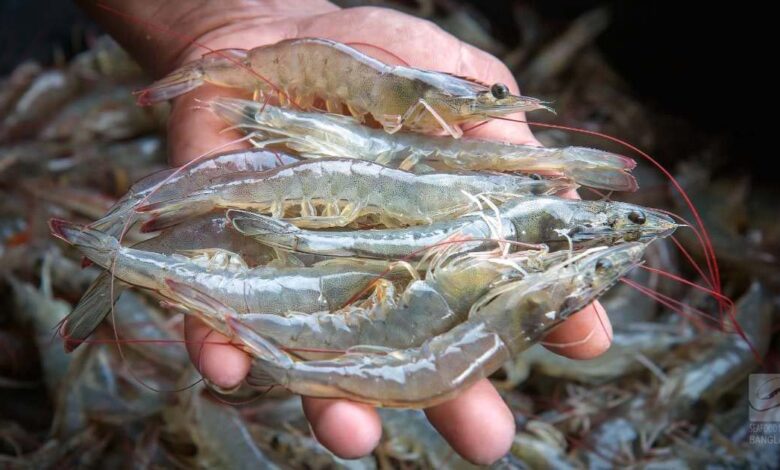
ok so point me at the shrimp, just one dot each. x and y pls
(170, 182)
(318, 135)
(506, 320)
(347, 190)
(301, 70)
(551, 220)
(309, 289)
(201, 236)
(424, 309)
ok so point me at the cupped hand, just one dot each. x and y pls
(477, 423)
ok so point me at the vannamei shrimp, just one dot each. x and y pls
(424, 309)
(318, 135)
(264, 289)
(506, 320)
(346, 190)
(302, 70)
(551, 220)
(169, 183)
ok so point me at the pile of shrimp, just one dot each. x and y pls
(363, 248)
(394, 265)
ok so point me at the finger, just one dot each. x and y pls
(584, 335)
(348, 429)
(221, 363)
(477, 423)
(194, 130)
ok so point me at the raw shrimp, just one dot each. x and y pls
(323, 287)
(425, 308)
(168, 183)
(302, 70)
(318, 135)
(348, 189)
(507, 320)
(551, 220)
(209, 233)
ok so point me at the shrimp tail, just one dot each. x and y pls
(191, 76)
(93, 307)
(273, 232)
(95, 245)
(179, 82)
(602, 178)
(174, 211)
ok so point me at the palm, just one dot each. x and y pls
(477, 423)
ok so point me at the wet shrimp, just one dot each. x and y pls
(557, 222)
(267, 289)
(508, 319)
(346, 190)
(318, 135)
(302, 70)
(424, 309)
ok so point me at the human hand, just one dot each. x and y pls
(477, 423)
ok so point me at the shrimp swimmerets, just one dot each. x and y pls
(551, 220)
(318, 135)
(264, 289)
(302, 70)
(505, 321)
(347, 189)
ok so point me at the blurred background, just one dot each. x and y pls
(682, 82)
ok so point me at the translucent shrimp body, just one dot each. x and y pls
(318, 135)
(425, 308)
(345, 190)
(302, 70)
(264, 289)
(508, 319)
(557, 222)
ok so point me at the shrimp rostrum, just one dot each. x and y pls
(508, 319)
(300, 71)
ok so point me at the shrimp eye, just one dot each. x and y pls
(637, 217)
(535, 176)
(603, 265)
(499, 91)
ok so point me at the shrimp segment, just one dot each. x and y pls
(397, 97)
(318, 135)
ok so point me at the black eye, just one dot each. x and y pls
(603, 265)
(535, 176)
(499, 91)
(637, 217)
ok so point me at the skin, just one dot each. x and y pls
(477, 423)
